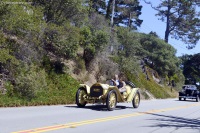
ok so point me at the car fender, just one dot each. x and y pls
(87, 88)
(132, 94)
(119, 96)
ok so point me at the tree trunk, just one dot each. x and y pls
(113, 11)
(108, 9)
(168, 21)
(129, 21)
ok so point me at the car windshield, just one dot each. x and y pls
(192, 87)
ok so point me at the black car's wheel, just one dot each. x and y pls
(197, 98)
(180, 98)
(184, 99)
(80, 100)
(111, 100)
(136, 100)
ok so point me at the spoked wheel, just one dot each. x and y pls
(136, 100)
(111, 100)
(80, 100)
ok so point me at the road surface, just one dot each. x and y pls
(153, 116)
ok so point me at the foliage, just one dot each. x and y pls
(159, 55)
(21, 19)
(4, 10)
(129, 64)
(56, 66)
(140, 81)
(92, 42)
(129, 41)
(37, 40)
(98, 22)
(61, 89)
(30, 81)
(6, 57)
(190, 65)
(8, 60)
(126, 13)
(61, 40)
(182, 20)
(155, 53)
(60, 11)
(10, 89)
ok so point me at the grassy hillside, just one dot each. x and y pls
(44, 55)
(61, 89)
(158, 90)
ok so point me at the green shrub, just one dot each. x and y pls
(10, 89)
(30, 81)
(62, 85)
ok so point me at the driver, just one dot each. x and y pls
(119, 82)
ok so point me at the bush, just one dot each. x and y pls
(60, 86)
(9, 89)
(30, 81)
(62, 41)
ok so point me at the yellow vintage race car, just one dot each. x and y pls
(107, 94)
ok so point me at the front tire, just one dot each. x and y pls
(111, 100)
(80, 100)
(136, 100)
(197, 99)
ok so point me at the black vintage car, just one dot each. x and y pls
(189, 92)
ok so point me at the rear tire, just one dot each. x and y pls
(80, 101)
(111, 100)
(180, 98)
(136, 100)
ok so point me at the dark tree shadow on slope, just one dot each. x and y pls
(176, 122)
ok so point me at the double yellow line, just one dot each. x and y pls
(75, 124)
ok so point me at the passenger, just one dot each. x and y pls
(122, 84)
(115, 80)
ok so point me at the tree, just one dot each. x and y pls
(190, 65)
(127, 13)
(182, 20)
(160, 56)
(98, 5)
(61, 40)
(124, 12)
(92, 42)
(60, 10)
(129, 41)
(153, 34)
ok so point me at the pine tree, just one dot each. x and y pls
(182, 20)
(126, 12)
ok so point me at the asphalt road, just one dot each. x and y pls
(154, 116)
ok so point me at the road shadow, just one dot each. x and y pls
(99, 107)
(175, 122)
(187, 100)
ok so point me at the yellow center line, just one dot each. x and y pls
(86, 122)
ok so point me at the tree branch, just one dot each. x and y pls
(148, 2)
